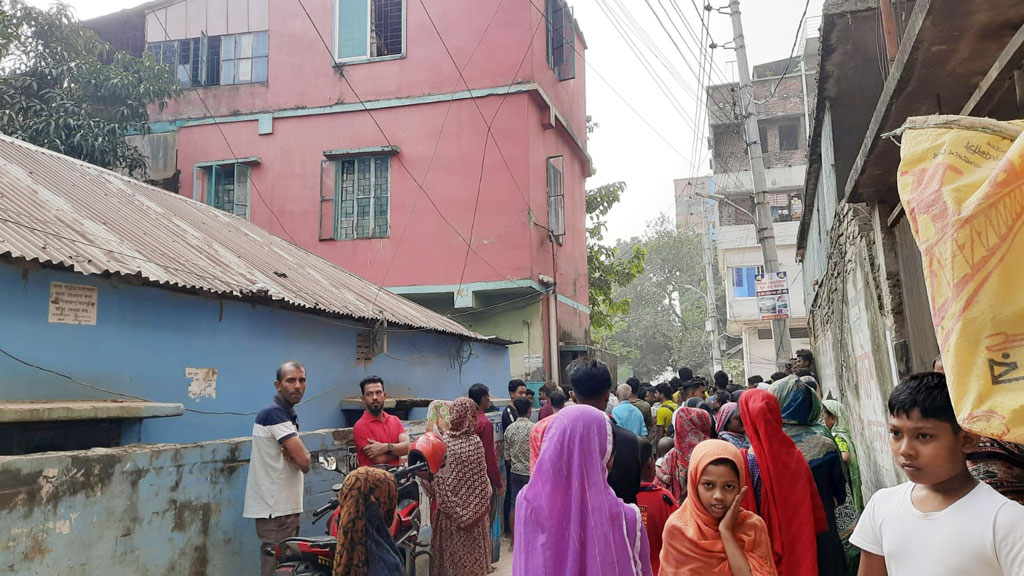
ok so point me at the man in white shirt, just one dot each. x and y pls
(943, 522)
(273, 490)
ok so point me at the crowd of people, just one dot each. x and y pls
(689, 477)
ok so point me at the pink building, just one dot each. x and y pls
(385, 136)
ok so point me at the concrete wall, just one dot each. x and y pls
(145, 338)
(737, 247)
(522, 322)
(142, 509)
(759, 354)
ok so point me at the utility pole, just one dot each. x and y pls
(709, 280)
(762, 212)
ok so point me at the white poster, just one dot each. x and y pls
(772, 290)
(73, 303)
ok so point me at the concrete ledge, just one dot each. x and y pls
(85, 410)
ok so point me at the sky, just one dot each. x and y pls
(642, 137)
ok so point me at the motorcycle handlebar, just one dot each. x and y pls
(404, 473)
(321, 511)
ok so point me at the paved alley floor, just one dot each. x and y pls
(504, 565)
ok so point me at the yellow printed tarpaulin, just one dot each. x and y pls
(961, 181)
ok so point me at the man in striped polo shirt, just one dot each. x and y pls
(273, 491)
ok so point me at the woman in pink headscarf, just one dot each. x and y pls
(692, 426)
(568, 520)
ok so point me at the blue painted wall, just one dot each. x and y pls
(145, 337)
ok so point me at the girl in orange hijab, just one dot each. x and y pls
(711, 533)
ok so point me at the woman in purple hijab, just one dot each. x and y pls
(568, 520)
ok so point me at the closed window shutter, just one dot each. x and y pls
(242, 182)
(567, 67)
(328, 224)
(352, 28)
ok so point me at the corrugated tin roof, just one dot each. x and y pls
(58, 210)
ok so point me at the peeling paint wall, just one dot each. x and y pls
(146, 340)
(143, 509)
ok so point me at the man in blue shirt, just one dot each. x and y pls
(627, 415)
(273, 490)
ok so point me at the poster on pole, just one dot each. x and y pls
(772, 295)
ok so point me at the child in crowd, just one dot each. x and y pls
(711, 533)
(943, 522)
(517, 453)
(656, 503)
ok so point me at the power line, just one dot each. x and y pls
(489, 135)
(792, 51)
(441, 130)
(231, 151)
(111, 392)
(380, 129)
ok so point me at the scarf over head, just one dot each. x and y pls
(803, 420)
(692, 542)
(725, 413)
(365, 548)
(841, 429)
(438, 417)
(568, 520)
(692, 426)
(461, 487)
(790, 504)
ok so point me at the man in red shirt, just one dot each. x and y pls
(656, 504)
(380, 437)
(480, 394)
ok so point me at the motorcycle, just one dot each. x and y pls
(305, 556)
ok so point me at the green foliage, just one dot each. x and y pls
(63, 88)
(734, 368)
(664, 327)
(607, 269)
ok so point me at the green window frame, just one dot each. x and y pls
(367, 30)
(225, 186)
(355, 197)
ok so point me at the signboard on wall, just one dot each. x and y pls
(772, 290)
(532, 362)
(73, 303)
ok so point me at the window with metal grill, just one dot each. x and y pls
(225, 187)
(561, 39)
(355, 198)
(369, 29)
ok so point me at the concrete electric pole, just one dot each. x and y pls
(709, 281)
(762, 212)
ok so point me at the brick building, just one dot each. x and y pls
(781, 90)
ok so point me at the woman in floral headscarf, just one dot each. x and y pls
(365, 547)
(692, 425)
(461, 539)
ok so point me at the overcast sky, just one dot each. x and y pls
(625, 147)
